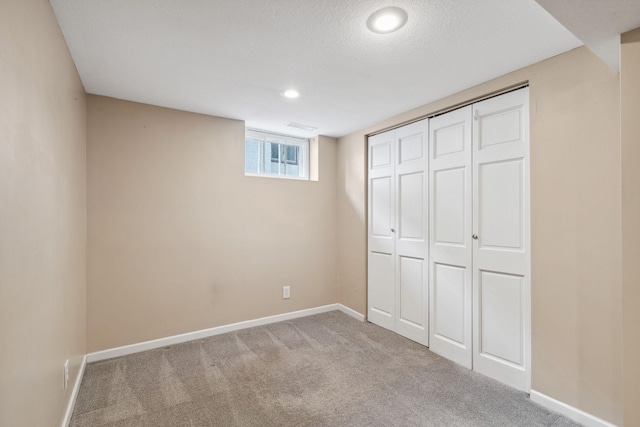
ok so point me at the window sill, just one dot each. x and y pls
(260, 175)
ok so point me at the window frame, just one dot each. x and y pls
(265, 158)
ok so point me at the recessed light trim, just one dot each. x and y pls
(291, 94)
(387, 20)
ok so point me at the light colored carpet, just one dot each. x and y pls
(323, 370)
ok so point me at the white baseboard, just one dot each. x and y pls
(204, 333)
(351, 312)
(568, 411)
(74, 394)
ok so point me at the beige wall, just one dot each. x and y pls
(42, 215)
(576, 226)
(630, 108)
(180, 240)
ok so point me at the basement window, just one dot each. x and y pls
(273, 155)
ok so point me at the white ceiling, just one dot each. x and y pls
(597, 23)
(232, 58)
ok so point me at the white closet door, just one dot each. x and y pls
(450, 235)
(412, 295)
(501, 253)
(381, 217)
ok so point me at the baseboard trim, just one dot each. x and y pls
(74, 394)
(204, 333)
(568, 411)
(351, 312)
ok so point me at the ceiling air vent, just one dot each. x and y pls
(299, 126)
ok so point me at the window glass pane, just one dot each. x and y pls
(252, 155)
(275, 149)
(292, 154)
(273, 164)
(293, 170)
(291, 159)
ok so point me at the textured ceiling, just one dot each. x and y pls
(597, 23)
(232, 58)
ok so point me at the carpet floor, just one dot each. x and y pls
(322, 370)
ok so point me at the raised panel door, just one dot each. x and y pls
(412, 296)
(381, 255)
(450, 236)
(501, 254)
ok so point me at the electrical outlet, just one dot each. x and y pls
(66, 374)
(286, 292)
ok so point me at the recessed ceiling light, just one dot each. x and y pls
(387, 20)
(291, 93)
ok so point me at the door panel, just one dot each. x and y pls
(501, 127)
(380, 293)
(411, 147)
(501, 323)
(501, 254)
(411, 290)
(381, 242)
(412, 232)
(501, 215)
(450, 140)
(411, 210)
(381, 154)
(381, 206)
(449, 303)
(450, 231)
(449, 206)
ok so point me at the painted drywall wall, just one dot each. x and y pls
(575, 225)
(180, 240)
(630, 128)
(42, 216)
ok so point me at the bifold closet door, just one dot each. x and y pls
(381, 243)
(412, 291)
(449, 240)
(450, 235)
(501, 254)
(398, 231)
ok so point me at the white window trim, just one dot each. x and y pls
(271, 175)
(301, 143)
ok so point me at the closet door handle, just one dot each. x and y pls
(393, 230)
(475, 237)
